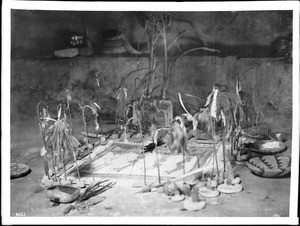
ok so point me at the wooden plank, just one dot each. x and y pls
(85, 159)
(92, 134)
(72, 52)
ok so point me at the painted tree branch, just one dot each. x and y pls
(177, 37)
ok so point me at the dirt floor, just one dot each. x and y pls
(261, 197)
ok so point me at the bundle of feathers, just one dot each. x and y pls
(177, 136)
(221, 107)
(225, 107)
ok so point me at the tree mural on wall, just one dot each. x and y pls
(163, 51)
(157, 27)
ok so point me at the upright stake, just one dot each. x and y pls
(98, 98)
(45, 160)
(214, 146)
(46, 167)
(183, 150)
(64, 163)
(158, 171)
(145, 182)
(116, 119)
(198, 161)
(68, 99)
(223, 144)
(76, 162)
(87, 142)
(86, 133)
(145, 175)
(53, 165)
(155, 142)
(231, 144)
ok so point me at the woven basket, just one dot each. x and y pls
(268, 147)
(270, 165)
(18, 170)
(255, 133)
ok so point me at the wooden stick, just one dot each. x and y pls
(223, 145)
(73, 150)
(64, 163)
(166, 74)
(214, 145)
(83, 160)
(70, 118)
(145, 180)
(46, 167)
(86, 131)
(145, 173)
(155, 142)
(200, 170)
(183, 160)
(158, 171)
(53, 165)
(87, 143)
(91, 135)
(231, 144)
(45, 161)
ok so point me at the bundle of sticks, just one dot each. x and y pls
(58, 142)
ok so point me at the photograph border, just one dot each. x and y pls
(142, 6)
